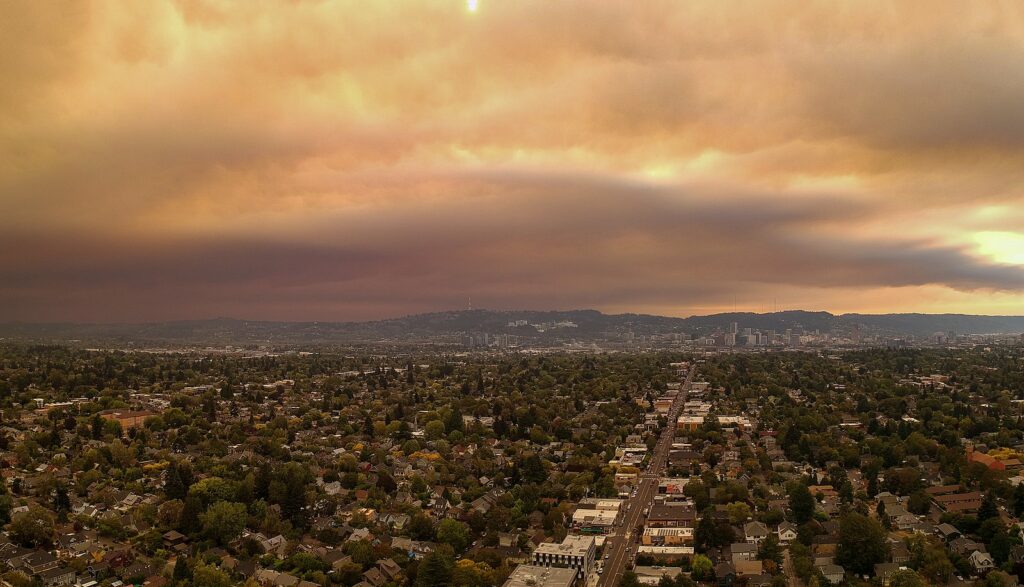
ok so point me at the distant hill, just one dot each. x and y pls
(448, 327)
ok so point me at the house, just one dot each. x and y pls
(374, 577)
(726, 574)
(39, 561)
(947, 532)
(981, 561)
(751, 568)
(899, 553)
(965, 546)
(390, 569)
(173, 538)
(833, 573)
(787, 532)
(755, 532)
(743, 551)
(270, 578)
(885, 571)
(56, 576)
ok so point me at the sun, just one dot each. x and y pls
(472, 5)
(1001, 247)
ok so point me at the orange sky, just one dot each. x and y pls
(353, 159)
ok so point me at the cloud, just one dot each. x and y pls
(531, 242)
(347, 159)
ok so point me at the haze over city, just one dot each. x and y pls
(358, 160)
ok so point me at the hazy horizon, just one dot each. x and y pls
(349, 161)
(500, 311)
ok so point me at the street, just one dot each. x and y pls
(621, 545)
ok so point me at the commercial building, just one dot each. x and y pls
(575, 552)
(537, 576)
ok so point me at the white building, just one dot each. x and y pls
(536, 576)
(575, 552)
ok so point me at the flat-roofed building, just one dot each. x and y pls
(128, 418)
(600, 503)
(575, 552)
(672, 486)
(600, 520)
(537, 576)
(666, 536)
(665, 553)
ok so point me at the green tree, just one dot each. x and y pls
(906, 578)
(861, 543)
(61, 501)
(1018, 500)
(181, 569)
(224, 521)
(701, 568)
(453, 533)
(204, 575)
(738, 512)
(436, 568)
(919, 503)
(189, 522)
(999, 579)
(629, 579)
(769, 550)
(989, 508)
(420, 527)
(801, 503)
(32, 529)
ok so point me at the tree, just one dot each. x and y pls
(224, 521)
(999, 579)
(738, 512)
(533, 470)
(861, 543)
(906, 578)
(701, 568)
(801, 503)
(181, 570)
(453, 533)
(420, 527)
(33, 529)
(989, 508)
(434, 429)
(177, 479)
(210, 576)
(468, 573)
(189, 522)
(704, 535)
(436, 568)
(919, 503)
(1000, 545)
(769, 550)
(1018, 500)
(629, 579)
(61, 501)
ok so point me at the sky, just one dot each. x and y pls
(349, 160)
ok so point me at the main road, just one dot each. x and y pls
(621, 544)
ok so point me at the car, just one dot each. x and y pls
(606, 554)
